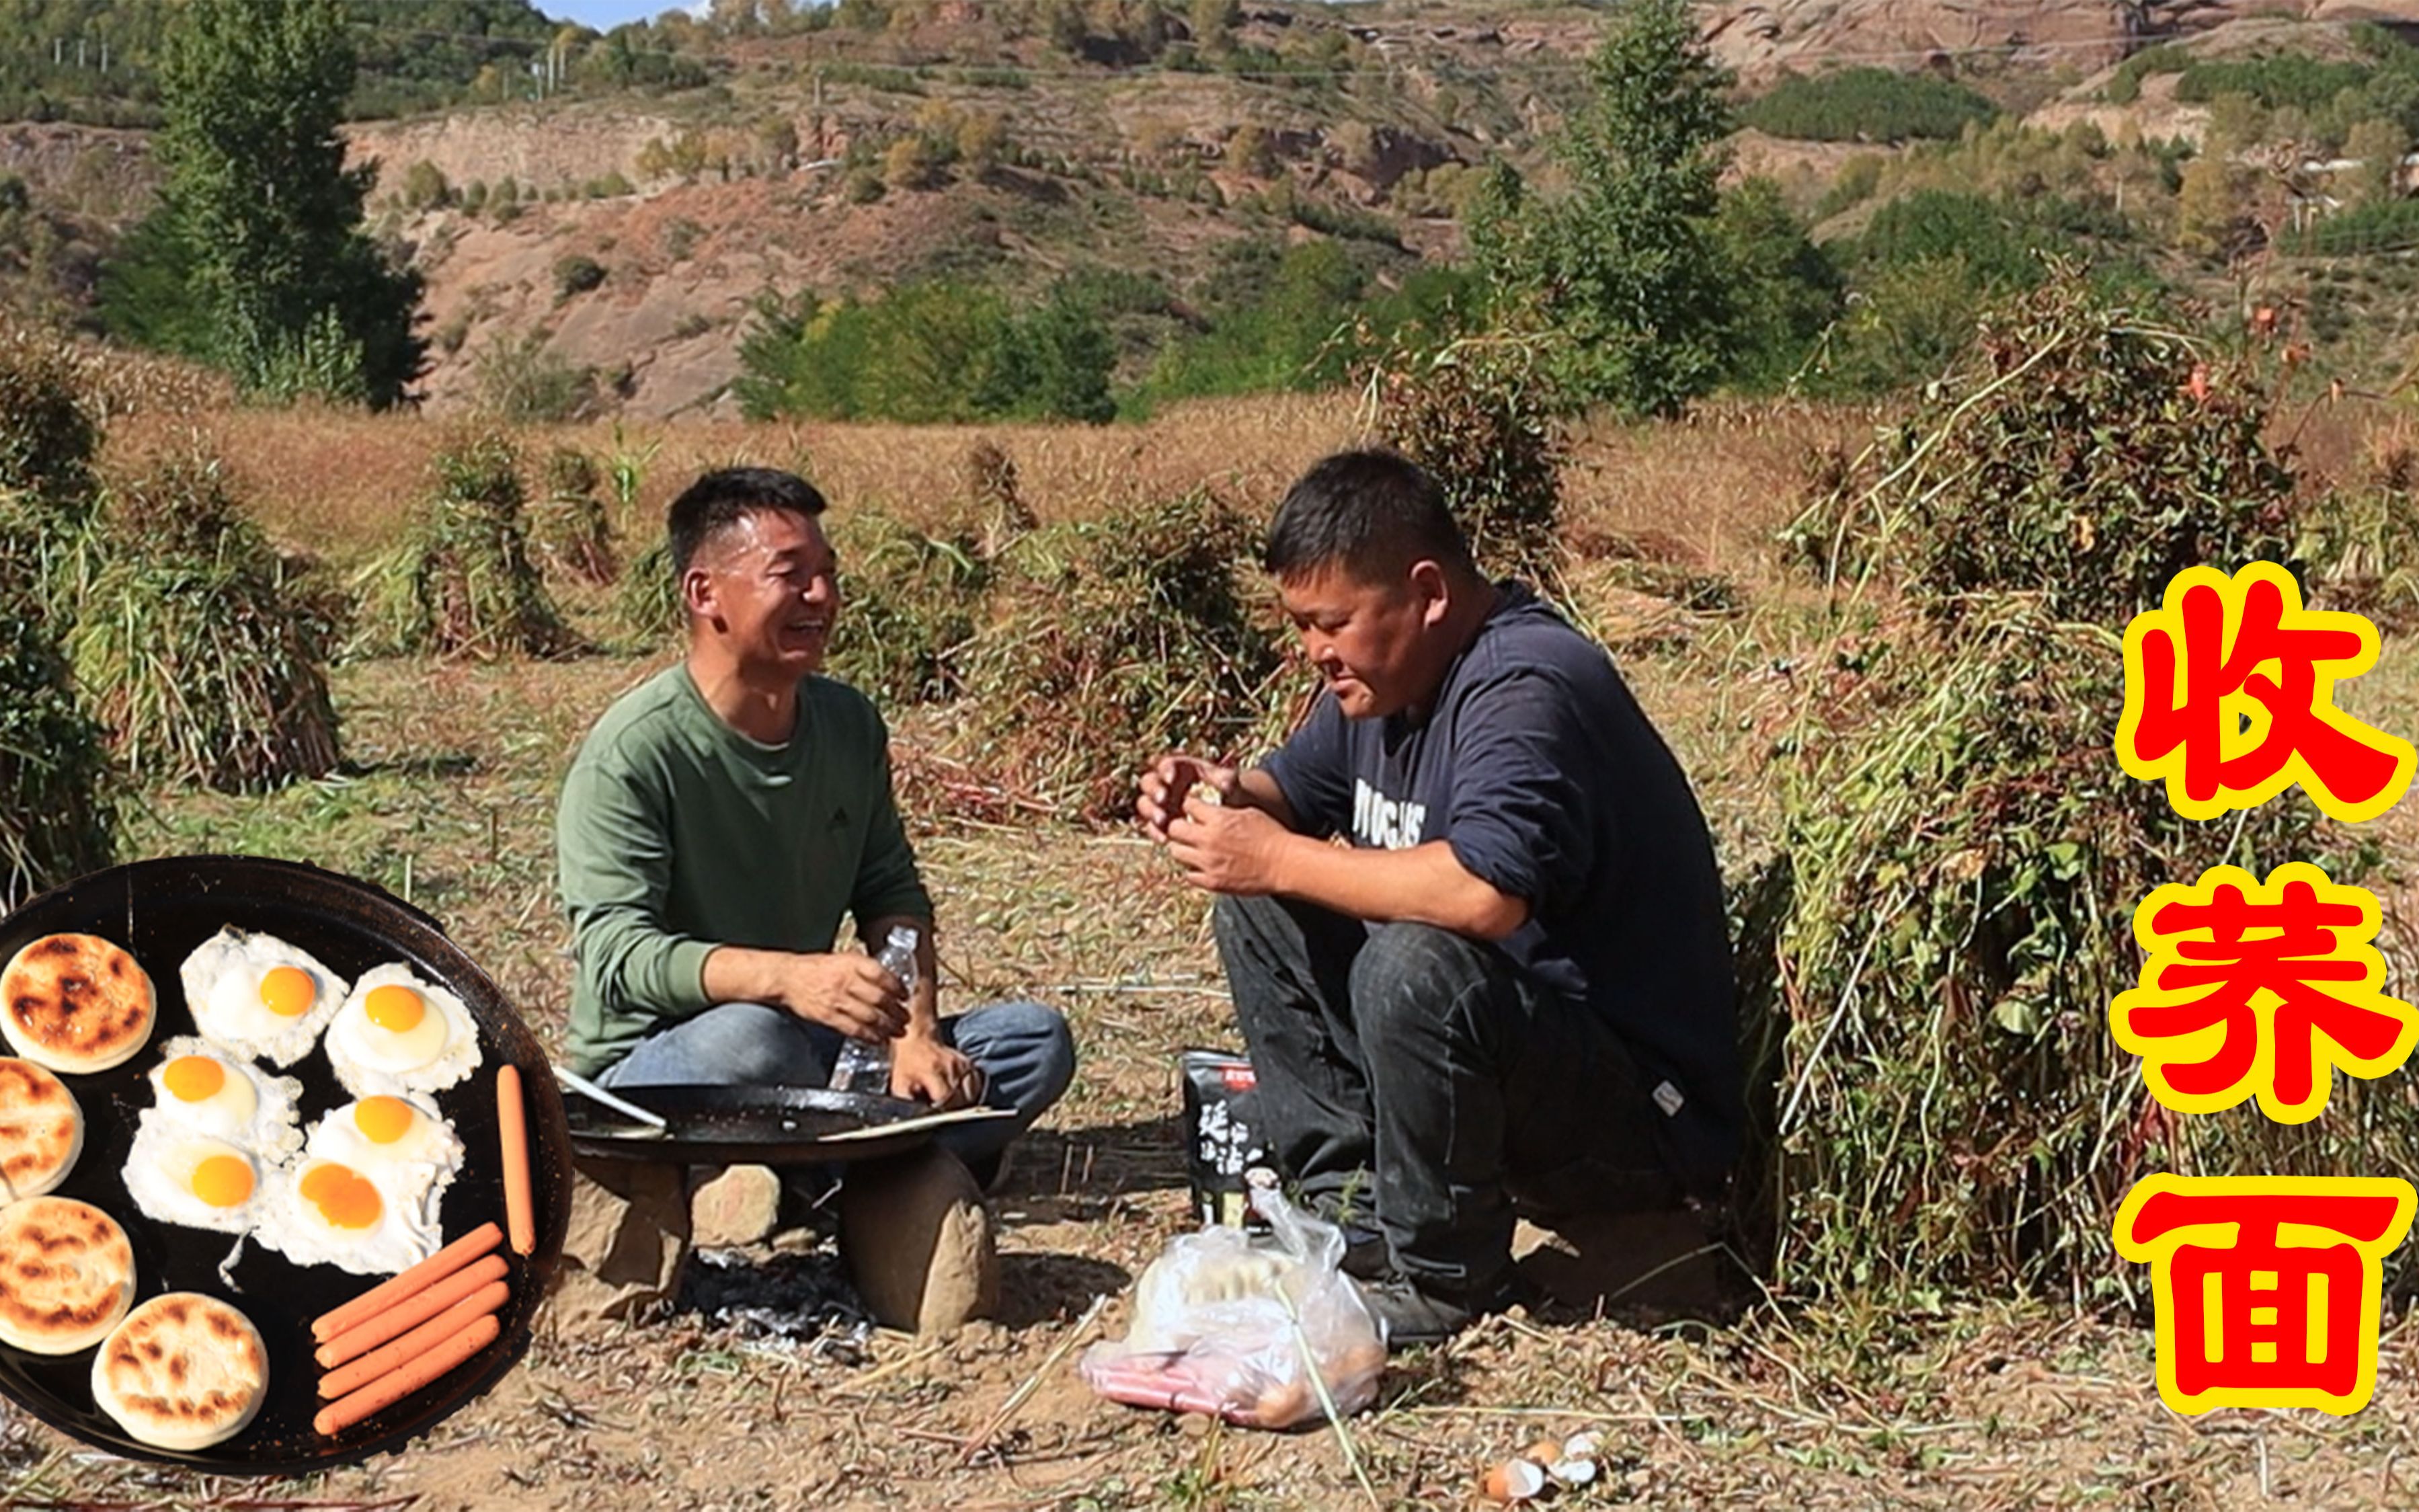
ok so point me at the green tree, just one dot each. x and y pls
(1623, 271)
(295, 297)
(1787, 293)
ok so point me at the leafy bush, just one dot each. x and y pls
(926, 353)
(2278, 79)
(199, 646)
(1865, 104)
(2384, 225)
(2067, 457)
(577, 273)
(1935, 944)
(1786, 292)
(1480, 415)
(1113, 639)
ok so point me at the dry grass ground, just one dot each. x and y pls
(447, 799)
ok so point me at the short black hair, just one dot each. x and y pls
(1372, 513)
(719, 500)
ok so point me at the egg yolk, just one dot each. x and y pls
(288, 991)
(382, 1119)
(195, 1079)
(222, 1181)
(395, 1009)
(344, 1198)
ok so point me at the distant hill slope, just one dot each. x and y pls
(627, 232)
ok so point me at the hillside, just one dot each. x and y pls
(607, 246)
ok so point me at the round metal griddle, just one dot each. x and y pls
(758, 1125)
(160, 911)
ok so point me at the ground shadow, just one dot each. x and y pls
(1644, 1268)
(1047, 1289)
(1073, 1175)
(413, 768)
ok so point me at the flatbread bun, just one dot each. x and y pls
(67, 1275)
(75, 1003)
(184, 1371)
(41, 1130)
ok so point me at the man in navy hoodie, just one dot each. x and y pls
(1513, 983)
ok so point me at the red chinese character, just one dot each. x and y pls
(2229, 696)
(2285, 974)
(2267, 1285)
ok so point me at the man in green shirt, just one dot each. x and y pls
(719, 820)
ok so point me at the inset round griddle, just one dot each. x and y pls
(712, 1125)
(159, 910)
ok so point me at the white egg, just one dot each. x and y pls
(396, 1033)
(402, 1143)
(201, 1086)
(383, 1129)
(258, 995)
(177, 1176)
(325, 1212)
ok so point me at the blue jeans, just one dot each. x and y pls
(1024, 1051)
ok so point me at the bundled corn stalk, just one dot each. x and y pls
(573, 532)
(1930, 958)
(461, 584)
(56, 819)
(198, 645)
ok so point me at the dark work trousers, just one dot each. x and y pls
(1426, 1072)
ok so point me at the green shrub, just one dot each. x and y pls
(2383, 226)
(928, 353)
(2280, 79)
(1480, 416)
(577, 273)
(1867, 105)
(1113, 639)
(1933, 949)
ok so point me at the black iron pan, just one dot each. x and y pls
(159, 910)
(762, 1125)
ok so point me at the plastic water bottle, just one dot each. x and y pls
(866, 1068)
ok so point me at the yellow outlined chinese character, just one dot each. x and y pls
(2229, 696)
(2249, 988)
(2267, 1285)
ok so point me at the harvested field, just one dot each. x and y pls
(1707, 1392)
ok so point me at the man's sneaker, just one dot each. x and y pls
(1411, 1315)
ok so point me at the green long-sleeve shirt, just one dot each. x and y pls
(677, 833)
